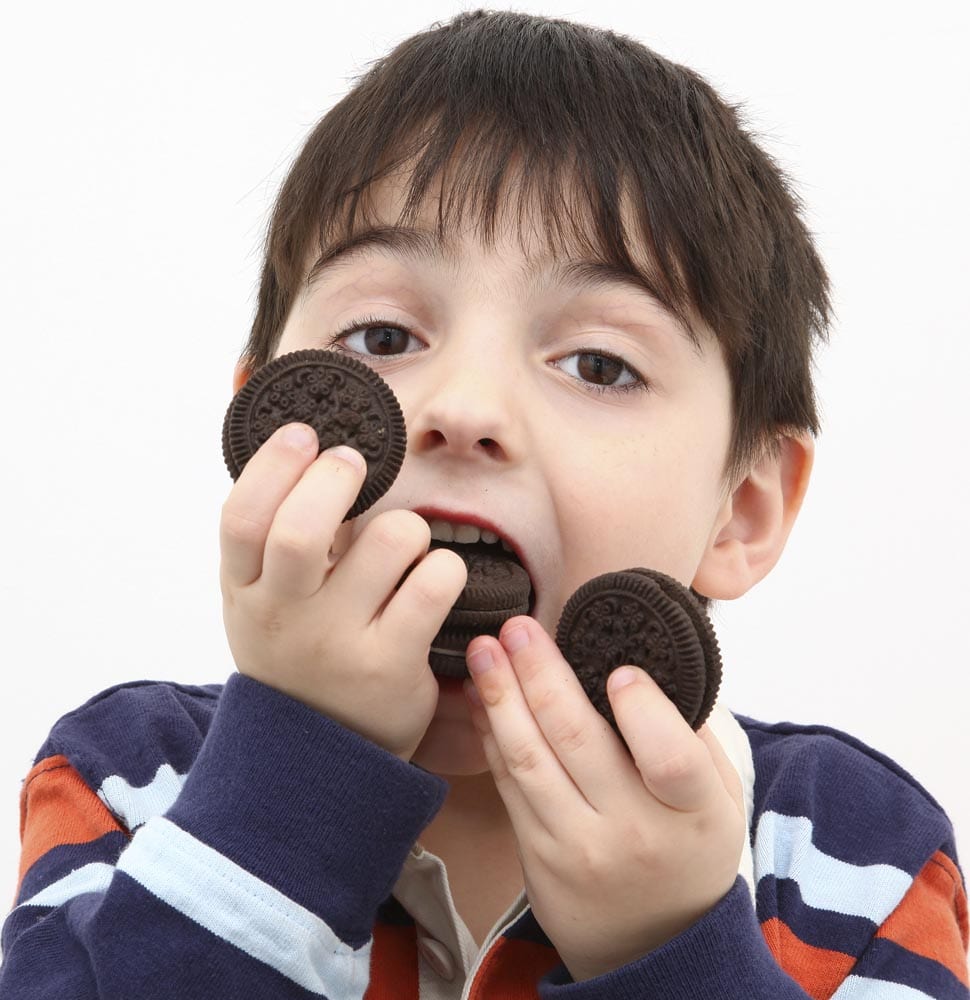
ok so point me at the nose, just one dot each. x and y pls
(465, 409)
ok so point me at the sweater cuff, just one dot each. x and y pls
(311, 808)
(724, 955)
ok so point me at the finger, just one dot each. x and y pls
(517, 805)
(257, 494)
(673, 761)
(295, 560)
(525, 756)
(725, 769)
(421, 604)
(578, 735)
(365, 577)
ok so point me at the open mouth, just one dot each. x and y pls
(498, 588)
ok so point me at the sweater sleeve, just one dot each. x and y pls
(919, 952)
(722, 955)
(262, 876)
(858, 892)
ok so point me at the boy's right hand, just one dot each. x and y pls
(335, 633)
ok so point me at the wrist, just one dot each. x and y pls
(311, 808)
(723, 954)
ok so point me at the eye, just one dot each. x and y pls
(376, 338)
(601, 371)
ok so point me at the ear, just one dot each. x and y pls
(240, 375)
(755, 520)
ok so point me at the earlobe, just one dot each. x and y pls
(755, 521)
(240, 375)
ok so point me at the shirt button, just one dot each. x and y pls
(438, 957)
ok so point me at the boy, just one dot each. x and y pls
(596, 303)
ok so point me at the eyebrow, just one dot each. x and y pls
(421, 245)
(400, 241)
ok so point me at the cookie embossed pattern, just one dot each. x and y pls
(342, 399)
(650, 620)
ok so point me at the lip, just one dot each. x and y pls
(483, 524)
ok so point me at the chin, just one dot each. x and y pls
(451, 748)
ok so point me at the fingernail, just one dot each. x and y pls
(516, 638)
(299, 436)
(480, 661)
(348, 455)
(621, 677)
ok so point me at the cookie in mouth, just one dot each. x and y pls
(498, 588)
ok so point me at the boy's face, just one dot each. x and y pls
(565, 410)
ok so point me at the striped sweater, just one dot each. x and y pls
(207, 842)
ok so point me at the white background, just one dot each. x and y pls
(141, 149)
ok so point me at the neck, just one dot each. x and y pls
(473, 836)
(473, 812)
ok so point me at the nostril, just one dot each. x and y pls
(491, 447)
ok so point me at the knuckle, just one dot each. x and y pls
(287, 541)
(569, 736)
(672, 770)
(369, 672)
(267, 619)
(522, 758)
(588, 859)
(644, 849)
(240, 527)
(428, 593)
(544, 701)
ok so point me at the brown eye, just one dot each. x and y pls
(600, 372)
(384, 340)
(600, 369)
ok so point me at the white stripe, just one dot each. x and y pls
(736, 745)
(236, 906)
(95, 877)
(783, 848)
(134, 805)
(857, 988)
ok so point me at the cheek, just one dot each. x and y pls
(636, 507)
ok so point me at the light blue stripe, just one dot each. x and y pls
(858, 988)
(783, 847)
(95, 877)
(135, 805)
(236, 906)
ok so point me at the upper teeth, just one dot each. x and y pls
(465, 534)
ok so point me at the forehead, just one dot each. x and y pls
(564, 246)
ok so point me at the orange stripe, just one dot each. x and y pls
(818, 971)
(512, 970)
(393, 963)
(57, 807)
(931, 919)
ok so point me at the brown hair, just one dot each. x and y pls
(601, 135)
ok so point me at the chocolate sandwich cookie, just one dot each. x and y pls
(645, 618)
(498, 588)
(342, 399)
(684, 596)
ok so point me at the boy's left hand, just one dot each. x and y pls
(620, 853)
